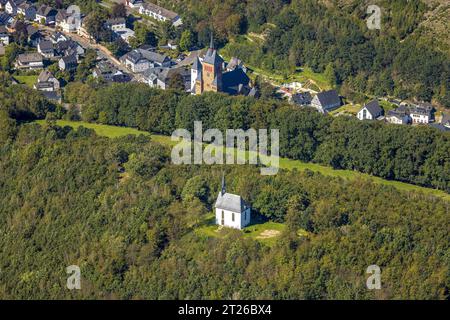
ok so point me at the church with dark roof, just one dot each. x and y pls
(208, 73)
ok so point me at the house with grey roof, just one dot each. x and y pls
(160, 77)
(4, 36)
(46, 15)
(115, 24)
(302, 98)
(12, 6)
(370, 111)
(140, 60)
(30, 61)
(231, 210)
(399, 115)
(47, 82)
(159, 13)
(27, 10)
(45, 48)
(326, 101)
(68, 63)
(421, 113)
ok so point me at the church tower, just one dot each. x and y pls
(212, 69)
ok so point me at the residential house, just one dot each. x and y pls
(370, 111)
(5, 19)
(160, 77)
(47, 82)
(34, 35)
(58, 37)
(302, 98)
(140, 60)
(399, 115)
(52, 96)
(126, 34)
(105, 71)
(115, 24)
(30, 61)
(326, 101)
(4, 36)
(12, 6)
(68, 63)
(231, 210)
(45, 15)
(45, 48)
(159, 13)
(66, 22)
(27, 10)
(421, 113)
(68, 48)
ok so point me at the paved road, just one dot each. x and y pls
(101, 50)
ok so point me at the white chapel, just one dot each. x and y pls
(231, 210)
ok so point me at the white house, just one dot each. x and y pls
(47, 82)
(422, 113)
(45, 15)
(27, 10)
(326, 101)
(4, 37)
(115, 24)
(231, 210)
(67, 22)
(160, 13)
(12, 5)
(398, 116)
(30, 61)
(370, 111)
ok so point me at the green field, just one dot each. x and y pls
(289, 164)
(266, 232)
(27, 80)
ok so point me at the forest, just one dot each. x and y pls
(417, 155)
(118, 209)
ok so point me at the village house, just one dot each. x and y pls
(4, 36)
(159, 13)
(34, 35)
(68, 48)
(105, 71)
(47, 82)
(115, 24)
(12, 6)
(231, 210)
(140, 60)
(5, 19)
(370, 111)
(45, 15)
(399, 115)
(126, 34)
(68, 63)
(30, 61)
(26, 10)
(207, 74)
(160, 77)
(45, 47)
(66, 22)
(58, 37)
(302, 98)
(422, 113)
(326, 101)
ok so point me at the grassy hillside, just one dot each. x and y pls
(114, 131)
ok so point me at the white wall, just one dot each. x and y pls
(240, 221)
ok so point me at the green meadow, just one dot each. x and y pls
(284, 163)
